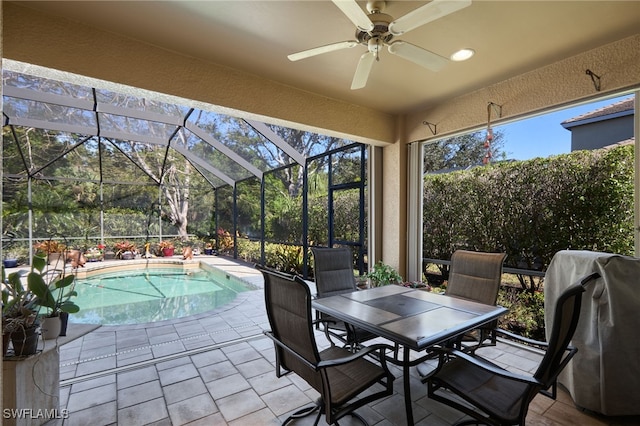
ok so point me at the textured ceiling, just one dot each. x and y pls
(509, 37)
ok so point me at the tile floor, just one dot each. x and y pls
(218, 369)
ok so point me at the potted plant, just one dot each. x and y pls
(53, 251)
(208, 249)
(95, 254)
(10, 259)
(125, 250)
(383, 274)
(55, 296)
(19, 315)
(167, 248)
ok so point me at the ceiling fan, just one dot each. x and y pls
(377, 29)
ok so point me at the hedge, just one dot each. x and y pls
(532, 209)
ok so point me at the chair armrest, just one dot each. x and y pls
(321, 320)
(327, 335)
(485, 365)
(336, 361)
(382, 348)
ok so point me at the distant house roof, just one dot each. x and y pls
(618, 109)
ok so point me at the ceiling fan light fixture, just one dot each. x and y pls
(462, 54)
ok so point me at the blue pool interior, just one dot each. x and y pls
(149, 294)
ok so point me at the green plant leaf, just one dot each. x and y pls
(39, 263)
(38, 287)
(65, 282)
(69, 307)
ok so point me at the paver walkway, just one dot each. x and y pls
(218, 369)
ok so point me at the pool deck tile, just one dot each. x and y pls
(218, 368)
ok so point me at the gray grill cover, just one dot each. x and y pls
(604, 376)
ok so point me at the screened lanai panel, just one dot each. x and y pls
(49, 115)
(15, 206)
(224, 219)
(37, 148)
(123, 127)
(132, 105)
(130, 211)
(248, 208)
(201, 207)
(318, 189)
(47, 86)
(125, 160)
(345, 226)
(283, 205)
(66, 210)
(211, 177)
(241, 139)
(199, 148)
(346, 165)
(133, 162)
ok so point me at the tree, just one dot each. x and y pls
(461, 152)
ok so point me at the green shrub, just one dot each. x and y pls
(533, 209)
(383, 274)
(526, 312)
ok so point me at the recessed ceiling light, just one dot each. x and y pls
(462, 55)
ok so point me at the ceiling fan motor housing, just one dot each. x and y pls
(380, 30)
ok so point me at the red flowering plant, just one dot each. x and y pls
(49, 246)
(96, 253)
(165, 244)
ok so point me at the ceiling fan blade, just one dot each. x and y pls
(427, 13)
(355, 13)
(322, 49)
(362, 71)
(418, 55)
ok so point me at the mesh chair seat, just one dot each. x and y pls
(349, 379)
(499, 396)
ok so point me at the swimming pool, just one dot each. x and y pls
(152, 293)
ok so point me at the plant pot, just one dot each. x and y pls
(50, 327)
(64, 320)
(167, 252)
(362, 285)
(127, 255)
(10, 263)
(25, 342)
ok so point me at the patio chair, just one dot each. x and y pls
(337, 374)
(498, 396)
(333, 269)
(476, 276)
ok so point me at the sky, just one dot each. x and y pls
(543, 135)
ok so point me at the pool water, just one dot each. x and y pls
(149, 295)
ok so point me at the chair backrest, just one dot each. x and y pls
(333, 270)
(288, 303)
(565, 320)
(475, 275)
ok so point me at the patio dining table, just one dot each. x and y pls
(415, 319)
